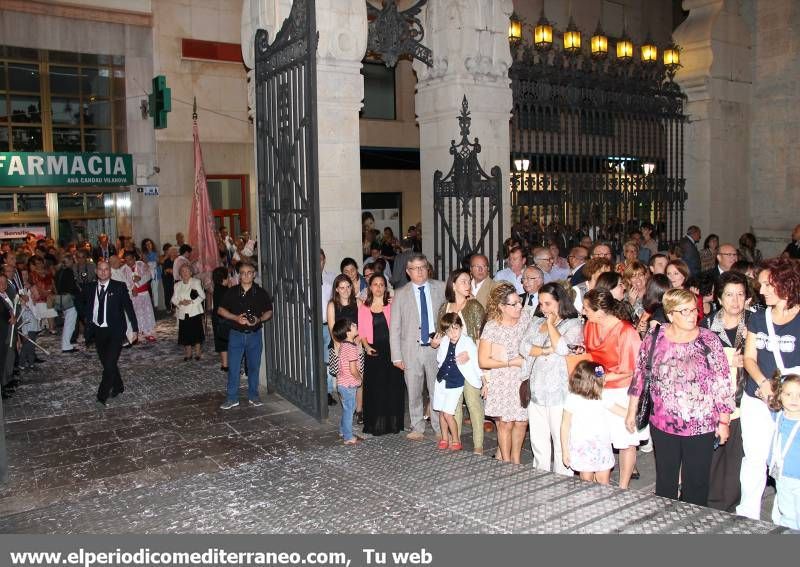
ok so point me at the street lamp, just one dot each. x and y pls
(514, 29)
(649, 51)
(543, 33)
(672, 59)
(522, 164)
(624, 47)
(572, 38)
(599, 42)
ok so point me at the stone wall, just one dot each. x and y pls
(774, 156)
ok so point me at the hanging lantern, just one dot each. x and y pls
(672, 56)
(514, 29)
(572, 38)
(599, 42)
(649, 51)
(543, 33)
(624, 47)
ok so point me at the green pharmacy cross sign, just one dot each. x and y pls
(38, 169)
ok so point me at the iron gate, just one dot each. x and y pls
(597, 144)
(467, 205)
(286, 149)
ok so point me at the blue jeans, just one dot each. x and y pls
(326, 340)
(348, 396)
(786, 511)
(249, 345)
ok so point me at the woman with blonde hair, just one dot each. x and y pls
(692, 398)
(498, 353)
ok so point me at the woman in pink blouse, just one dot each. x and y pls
(692, 398)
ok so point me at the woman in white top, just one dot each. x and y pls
(188, 301)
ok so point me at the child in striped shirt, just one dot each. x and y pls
(345, 332)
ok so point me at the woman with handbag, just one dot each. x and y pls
(692, 398)
(730, 324)
(771, 347)
(613, 342)
(188, 301)
(498, 352)
(457, 294)
(555, 327)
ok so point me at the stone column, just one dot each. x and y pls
(469, 40)
(716, 77)
(342, 26)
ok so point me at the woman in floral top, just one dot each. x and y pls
(692, 398)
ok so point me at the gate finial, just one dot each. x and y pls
(194, 110)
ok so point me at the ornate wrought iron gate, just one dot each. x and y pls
(467, 205)
(286, 140)
(597, 142)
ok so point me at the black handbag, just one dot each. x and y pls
(645, 405)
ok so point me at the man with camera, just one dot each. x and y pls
(245, 307)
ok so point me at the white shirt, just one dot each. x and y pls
(507, 275)
(477, 288)
(101, 287)
(531, 302)
(431, 320)
(555, 274)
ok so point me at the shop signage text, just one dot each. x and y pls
(38, 169)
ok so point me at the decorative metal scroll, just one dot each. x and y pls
(603, 142)
(393, 34)
(467, 205)
(286, 146)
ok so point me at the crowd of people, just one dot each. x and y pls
(590, 349)
(566, 344)
(43, 282)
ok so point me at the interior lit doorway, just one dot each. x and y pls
(228, 196)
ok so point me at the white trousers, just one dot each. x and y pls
(70, 320)
(545, 428)
(757, 430)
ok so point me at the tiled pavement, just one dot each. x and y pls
(164, 458)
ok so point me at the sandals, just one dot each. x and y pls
(353, 441)
(456, 446)
(443, 444)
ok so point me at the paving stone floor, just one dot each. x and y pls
(163, 458)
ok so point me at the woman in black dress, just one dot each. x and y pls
(219, 325)
(168, 278)
(384, 389)
(342, 305)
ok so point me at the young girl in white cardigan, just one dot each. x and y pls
(458, 361)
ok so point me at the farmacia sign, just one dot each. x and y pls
(37, 169)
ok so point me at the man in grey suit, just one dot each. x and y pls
(689, 252)
(414, 310)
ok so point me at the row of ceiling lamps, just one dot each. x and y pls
(543, 40)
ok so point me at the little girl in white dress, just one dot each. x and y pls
(585, 435)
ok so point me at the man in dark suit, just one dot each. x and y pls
(577, 258)
(689, 252)
(107, 303)
(104, 249)
(793, 248)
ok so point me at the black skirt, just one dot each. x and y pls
(190, 331)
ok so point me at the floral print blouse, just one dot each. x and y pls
(690, 383)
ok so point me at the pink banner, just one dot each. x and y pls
(201, 222)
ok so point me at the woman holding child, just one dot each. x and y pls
(692, 398)
(554, 327)
(498, 352)
(384, 389)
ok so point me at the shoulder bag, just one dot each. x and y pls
(645, 405)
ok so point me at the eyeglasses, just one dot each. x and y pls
(418, 268)
(544, 259)
(515, 304)
(478, 267)
(247, 273)
(685, 312)
(728, 254)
